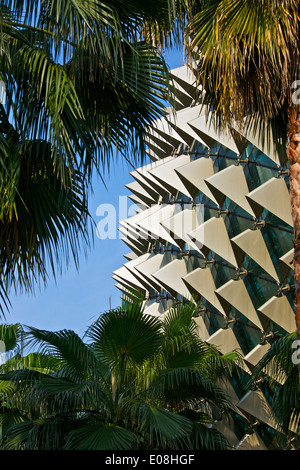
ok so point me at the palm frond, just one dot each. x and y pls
(67, 347)
(98, 435)
(125, 335)
(162, 427)
(248, 71)
(11, 335)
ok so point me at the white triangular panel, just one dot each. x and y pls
(225, 341)
(251, 442)
(227, 428)
(231, 183)
(201, 329)
(150, 266)
(125, 275)
(235, 293)
(213, 235)
(251, 242)
(155, 310)
(205, 126)
(200, 281)
(130, 256)
(255, 404)
(274, 196)
(145, 172)
(166, 131)
(144, 183)
(133, 245)
(261, 138)
(141, 192)
(170, 276)
(256, 354)
(181, 120)
(194, 175)
(167, 176)
(186, 77)
(286, 263)
(153, 223)
(279, 310)
(131, 265)
(180, 224)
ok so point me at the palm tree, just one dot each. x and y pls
(280, 378)
(82, 85)
(135, 383)
(247, 57)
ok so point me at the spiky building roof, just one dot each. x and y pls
(214, 226)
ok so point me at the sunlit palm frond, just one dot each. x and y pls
(125, 335)
(125, 388)
(246, 70)
(82, 87)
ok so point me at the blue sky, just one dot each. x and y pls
(78, 297)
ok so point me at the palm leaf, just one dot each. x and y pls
(123, 335)
(100, 436)
(67, 347)
(11, 335)
(248, 71)
(204, 437)
(158, 425)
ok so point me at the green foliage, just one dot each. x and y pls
(279, 370)
(247, 60)
(82, 86)
(127, 386)
(11, 336)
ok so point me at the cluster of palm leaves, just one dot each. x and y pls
(83, 78)
(132, 382)
(82, 84)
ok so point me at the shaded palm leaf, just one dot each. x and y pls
(124, 335)
(79, 86)
(98, 435)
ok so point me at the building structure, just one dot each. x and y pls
(214, 226)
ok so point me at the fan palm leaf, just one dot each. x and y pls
(81, 87)
(118, 384)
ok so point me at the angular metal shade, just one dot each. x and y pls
(273, 196)
(231, 183)
(201, 282)
(251, 242)
(170, 276)
(278, 310)
(213, 236)
(234, 293)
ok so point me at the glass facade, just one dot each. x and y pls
(257, 238)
